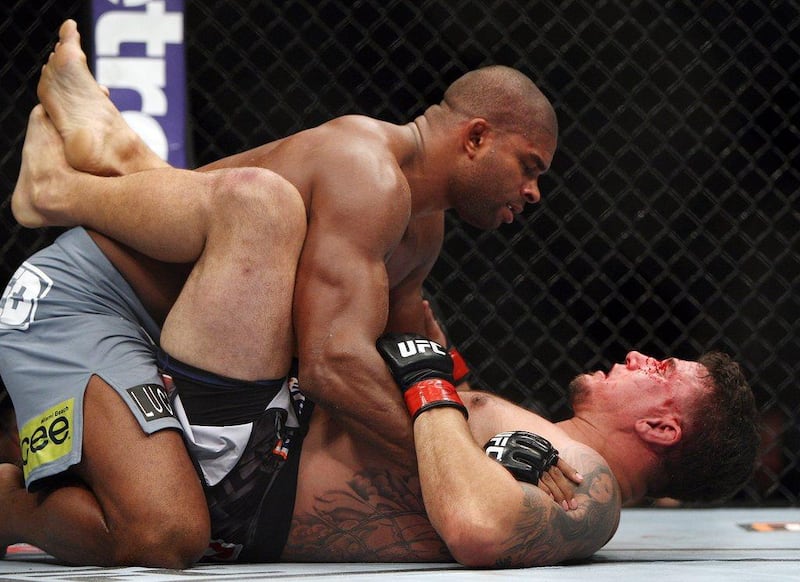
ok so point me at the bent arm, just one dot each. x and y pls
(341, 307)
(488, 519)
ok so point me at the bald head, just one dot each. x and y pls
(505, 97)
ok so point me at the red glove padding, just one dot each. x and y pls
(423, 370)
(428, 394)
(460, 367)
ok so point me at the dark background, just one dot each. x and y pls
(669, 221)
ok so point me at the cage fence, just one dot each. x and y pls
(669, 221)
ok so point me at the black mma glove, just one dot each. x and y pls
(526, 455)
(423, 369)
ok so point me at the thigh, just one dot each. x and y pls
(233, 316)
(155, 283)
(138, 478)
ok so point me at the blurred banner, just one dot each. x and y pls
(139, 55)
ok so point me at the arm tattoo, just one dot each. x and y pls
(546, 534)
(378, 517)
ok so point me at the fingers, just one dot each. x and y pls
(561, 489)
(569, 472)
(559, 482)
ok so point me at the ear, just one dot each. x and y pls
(475, 135)
(663, 431)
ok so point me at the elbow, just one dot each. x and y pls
(313, 373)
(322, 374)
(482, 541)
(475, 541)
(328, 366)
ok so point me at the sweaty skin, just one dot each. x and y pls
(354, 506)
(375, 195)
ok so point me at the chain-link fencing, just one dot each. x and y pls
(670, 219)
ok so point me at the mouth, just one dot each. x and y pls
(515, 212)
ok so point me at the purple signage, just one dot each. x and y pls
(138, 54)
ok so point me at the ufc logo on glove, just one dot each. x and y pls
(423, 371)
(419, 346)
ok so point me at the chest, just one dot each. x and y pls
(417, 250)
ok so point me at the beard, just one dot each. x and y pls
(577, 390)
(477, 212)
(476, 200)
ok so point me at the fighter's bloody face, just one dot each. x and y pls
(640, 385)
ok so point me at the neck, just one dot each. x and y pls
(427, 166)
(627, 461)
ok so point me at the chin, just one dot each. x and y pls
(482, 221)
(481, 225)
(578, 388)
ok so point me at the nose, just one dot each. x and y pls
(635, 360)
(531, 192)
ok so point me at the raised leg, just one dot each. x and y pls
(244, 227)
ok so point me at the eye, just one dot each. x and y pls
(665, 366)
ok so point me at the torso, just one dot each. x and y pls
(355, 505)
(352, 506)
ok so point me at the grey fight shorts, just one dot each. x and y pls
(67, 314)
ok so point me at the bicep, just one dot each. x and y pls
(341, 292)
(357, 217)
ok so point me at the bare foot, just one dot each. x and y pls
(96, 137)
(42, 174)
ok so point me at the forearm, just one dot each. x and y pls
(471, 500)
(361, 395)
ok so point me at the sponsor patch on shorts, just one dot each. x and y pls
(152, 400)
(47, 437)
(21, 297)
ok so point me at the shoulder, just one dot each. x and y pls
(544, 533)
(357, 153)
(358, 134)
(599, 495)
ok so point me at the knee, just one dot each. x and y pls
(174, 542)
(260, 198)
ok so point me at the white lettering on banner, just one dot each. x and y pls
(148, 23)
(414, 347)
(154, 26)
(147, 77)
